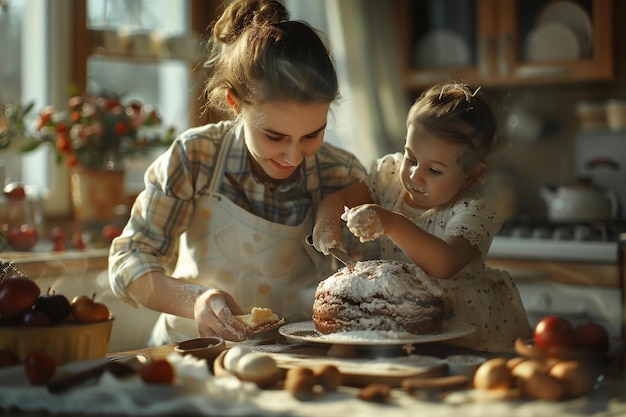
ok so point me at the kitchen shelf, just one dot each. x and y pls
(484, 44)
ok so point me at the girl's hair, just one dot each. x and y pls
(461, 114)
(262, 56)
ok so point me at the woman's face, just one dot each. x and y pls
(280, 135)
(430, 172)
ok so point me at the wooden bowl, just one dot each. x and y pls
(67, 342)
(527, 348)
(464, 364)
(202, 348)
(601, 363)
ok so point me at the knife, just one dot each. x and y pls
(340, 255)
(119, 368)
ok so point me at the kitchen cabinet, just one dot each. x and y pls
(504, 42)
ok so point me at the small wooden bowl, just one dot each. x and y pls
(464, 364)
(202, 348)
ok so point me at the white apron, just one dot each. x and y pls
(260, 263)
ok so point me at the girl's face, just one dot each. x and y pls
(430, 172)
(280, 135)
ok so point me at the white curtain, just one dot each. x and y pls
(371, 117)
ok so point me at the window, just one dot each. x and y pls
(10, 70)
(135, 55)
(72, 42)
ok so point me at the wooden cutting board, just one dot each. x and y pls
(361, 372)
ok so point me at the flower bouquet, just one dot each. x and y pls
(100, 131)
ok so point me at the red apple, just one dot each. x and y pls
(57, 234)
(17, 296)
(78, 242)
(110, 232)
(34, 318)
(86, 310)
(40, 367)
(592, 336)
(158, 371)
(14, 191)
(56, 306)
(58, 246)
(553, 331)
(22, 238)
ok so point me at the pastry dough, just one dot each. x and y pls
(260, 320)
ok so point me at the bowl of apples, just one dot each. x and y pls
(32, 321)
(555, 337)
(559, 362)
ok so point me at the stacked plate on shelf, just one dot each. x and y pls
(563, 31)
(442, 48)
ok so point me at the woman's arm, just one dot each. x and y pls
(212, 310)
(147, 246)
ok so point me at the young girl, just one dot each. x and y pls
(423, 206)
(231, 203)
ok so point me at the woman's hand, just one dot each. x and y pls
(214, 313)
(326, 235)
(365, 221)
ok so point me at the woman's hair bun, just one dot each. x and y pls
(246, 14)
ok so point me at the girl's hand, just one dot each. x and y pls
(364, 221)
(214, 313)
(326, 235)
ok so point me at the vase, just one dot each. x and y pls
(98, 195)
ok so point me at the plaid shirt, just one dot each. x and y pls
(183, 173)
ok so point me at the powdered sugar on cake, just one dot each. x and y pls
(381, 296)
(394, 279)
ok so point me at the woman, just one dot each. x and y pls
(231, 203)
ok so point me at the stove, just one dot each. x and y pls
(600, 157)
(540, 239)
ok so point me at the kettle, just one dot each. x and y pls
(581, 202)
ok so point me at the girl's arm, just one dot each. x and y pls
(437, 257)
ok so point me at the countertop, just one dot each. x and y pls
(228, 396)
(43, 260)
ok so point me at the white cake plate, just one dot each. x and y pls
(304, 331)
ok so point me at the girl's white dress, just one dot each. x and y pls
(483, 296)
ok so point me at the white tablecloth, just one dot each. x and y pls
(205, 395)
